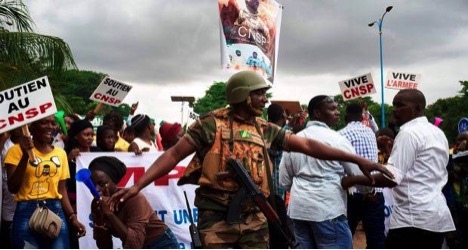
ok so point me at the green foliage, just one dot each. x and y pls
(25, 56)
(451, 110)
(215, 97)
(464, 90)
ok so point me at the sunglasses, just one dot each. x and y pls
(328, 99)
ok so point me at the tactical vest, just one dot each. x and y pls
(241, 141)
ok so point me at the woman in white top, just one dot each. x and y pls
(144, 131)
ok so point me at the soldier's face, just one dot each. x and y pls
(256, 101)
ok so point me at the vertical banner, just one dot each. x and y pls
(166, 198)
(250, 31)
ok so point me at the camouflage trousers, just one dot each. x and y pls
(215, 232)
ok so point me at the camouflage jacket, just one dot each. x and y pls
(216, 141)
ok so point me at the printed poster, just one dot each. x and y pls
(250, 32)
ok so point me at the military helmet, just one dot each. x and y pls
(241, 84)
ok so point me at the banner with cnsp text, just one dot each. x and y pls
(250, 33)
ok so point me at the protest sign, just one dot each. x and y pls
(166, 198)
(357, 87)
(397, 80)
(26, 103)
(110, 92)
(250, 35)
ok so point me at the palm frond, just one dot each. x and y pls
(14, 12)
(24, 48)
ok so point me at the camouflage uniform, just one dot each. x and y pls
(211, 135)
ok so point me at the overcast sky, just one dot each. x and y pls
(172, 48)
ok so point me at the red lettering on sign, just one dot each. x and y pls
(106, 99)
(362, 90)
(137, 173)
(21, 117)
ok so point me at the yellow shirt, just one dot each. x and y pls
(40, 179)
(121, 145)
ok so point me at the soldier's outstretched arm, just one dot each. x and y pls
(322, 151)
(163, 165)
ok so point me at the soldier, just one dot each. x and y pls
(239, 133)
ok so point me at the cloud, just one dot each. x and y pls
(175, 44)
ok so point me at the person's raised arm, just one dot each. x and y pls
(322, 151)
(163, 165)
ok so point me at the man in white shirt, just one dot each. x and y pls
(418, 161)
(317, 202)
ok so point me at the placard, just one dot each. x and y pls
(398, 80)
(357, 87)
(111, 92)
(26, 103)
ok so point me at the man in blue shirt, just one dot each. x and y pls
(366, 204)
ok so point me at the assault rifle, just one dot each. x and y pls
(194, 233)
(250, 190)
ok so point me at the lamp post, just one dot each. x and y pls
(379, 23)
(182, 99)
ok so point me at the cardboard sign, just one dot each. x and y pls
(110, 92)
(357, 87)
(290, 107)
(397, 80)
(26, 103)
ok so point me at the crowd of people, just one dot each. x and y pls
(320, 181)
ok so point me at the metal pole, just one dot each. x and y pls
(182, 113)
(381, 75)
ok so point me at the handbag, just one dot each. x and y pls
(45, 222)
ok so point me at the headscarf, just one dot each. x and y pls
(78, 126)
(110, 165)
(75, 128)
(140, 122)
(169, 131)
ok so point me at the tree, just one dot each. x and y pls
(24, 55)
(215, 97)
(451, 110)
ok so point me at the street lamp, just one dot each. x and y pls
(183, 99)
(380, 22)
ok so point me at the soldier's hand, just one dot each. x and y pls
(346, 182)
(121, 196)
(367, 167)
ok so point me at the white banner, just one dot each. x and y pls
(250, 33)
(398, 80)
(26, 103)
(111, 92)
(164, 195)
(357, 87)
(388, 196)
